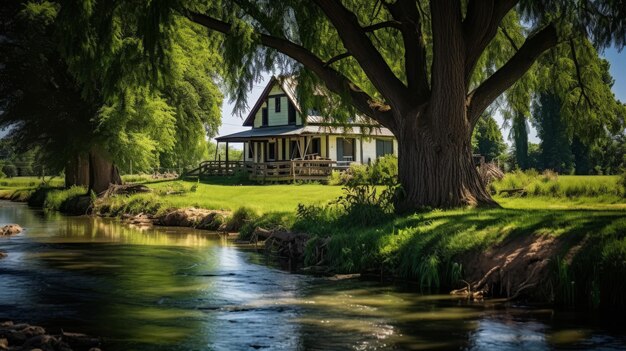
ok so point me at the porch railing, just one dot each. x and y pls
(216, 168)
(291, 170)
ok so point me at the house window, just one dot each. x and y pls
(264, 119)
(384, 147)
(271, 151)
(250, 150)
(291, 113)
(345, 149)
(277, 104)
(316, 146)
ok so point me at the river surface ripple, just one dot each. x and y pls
(182, 289)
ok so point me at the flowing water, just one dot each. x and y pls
(181, 289)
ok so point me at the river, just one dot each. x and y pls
(182, 289)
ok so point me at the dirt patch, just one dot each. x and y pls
(193, 217)
(518, 266)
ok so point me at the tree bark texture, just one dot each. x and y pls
(77, 171)
(435, 165)
(102, 172)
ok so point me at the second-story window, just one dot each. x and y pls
(291, 114)
(264, 118)
(277, 104)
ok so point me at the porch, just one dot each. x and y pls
(278, 171)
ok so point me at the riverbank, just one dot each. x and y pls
(22, 336)
(561, 242)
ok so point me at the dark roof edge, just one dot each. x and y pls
(249, 121)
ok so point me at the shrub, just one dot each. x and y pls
(384, 170)
(358, 174)
(270, 221)
(316, 220)
(9, 170)
(365, 205)
(239, 218)
(335, 178)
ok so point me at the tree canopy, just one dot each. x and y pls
(72, 86)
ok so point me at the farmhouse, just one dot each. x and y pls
(286, 142)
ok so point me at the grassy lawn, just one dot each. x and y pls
(27, 182)
(261, 198)
(562, 192)
(585, 193)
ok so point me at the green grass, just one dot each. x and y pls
(260, 198)
(137, 178)
(56, 197)
(599, 188)
(28, 182)
(430, 248)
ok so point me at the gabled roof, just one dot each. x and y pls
(294, 131)
(287, 84)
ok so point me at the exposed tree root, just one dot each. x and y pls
(514, 269)
(281, 243)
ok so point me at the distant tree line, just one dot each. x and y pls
(558, 149)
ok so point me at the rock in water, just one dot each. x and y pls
(10, 229)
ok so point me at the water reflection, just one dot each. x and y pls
(180, 289)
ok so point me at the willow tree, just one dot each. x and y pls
(76, 81)
(425, 70)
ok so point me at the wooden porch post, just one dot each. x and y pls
(226, 164)
(361, 149)
(217, 149)
(327, 146)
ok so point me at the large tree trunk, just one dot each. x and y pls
(436, 167)
(435, 162)
(102, 172)
(77, 171)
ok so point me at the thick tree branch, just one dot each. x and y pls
(481, 97)
(369, 58)
(480, 27)
(386, 24)
(337, 58)
(407, 13)
(334, 80)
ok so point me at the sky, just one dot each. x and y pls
(232, 123)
